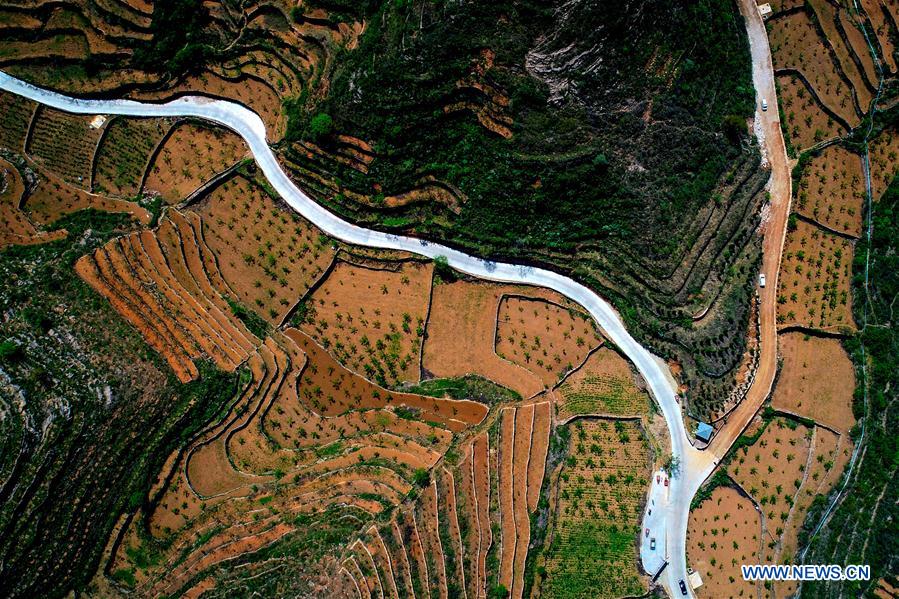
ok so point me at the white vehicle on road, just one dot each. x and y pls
(764, 104)
(762, 280)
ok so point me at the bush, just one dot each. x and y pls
(10, 351)
(320, 126)
(443, 269)
(421, 477)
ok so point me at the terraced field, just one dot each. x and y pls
(598, 492)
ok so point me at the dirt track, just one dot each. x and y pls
(774, 228)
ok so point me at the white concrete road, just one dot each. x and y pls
(654, 525)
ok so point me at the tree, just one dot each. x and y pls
(421, 477)
(320, 126)
(672, 466)
(443, 269)
(10, 351)
(499, 592)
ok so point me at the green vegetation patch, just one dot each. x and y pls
(471, 387)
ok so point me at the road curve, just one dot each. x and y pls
(250, 127)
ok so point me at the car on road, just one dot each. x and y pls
(666, 482)
(652, 544)
(764, 104)
(683, 587)
(647, 532)
(762, 280)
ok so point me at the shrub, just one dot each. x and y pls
(320, 126)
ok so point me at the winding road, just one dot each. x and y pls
(696, 465)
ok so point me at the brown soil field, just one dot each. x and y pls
(64, 144)
(543, 337)
(128, 305)
(360, 394)
(539, 446)
(191, 156)
(770, 469)
(480, 473)
(362, 567)
(884, 157)
(399, 554)
(371, 318)
(467, 513)
(524, 428)
(15, 227)
(427, 519)
(53, 199)
(123, 154)
(828, 15)
(723, 533)
(380, 556)
(814, 280)
(269, 256)
(805, 123)
(605, 385)
(829, 456)
(418, 563)
(598, 498)
(460, 336)
(15, 117)
(886, 590)
(150, 282)
(449, 523)
(784, 470)
(445, 533)
(796, 44)
(507, 499)
(293, 434)
(817, 381)
(859, 46)
(832, 190)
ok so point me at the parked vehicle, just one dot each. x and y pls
(683, 587)
(764, 105)
(652, 544)
(762, 280)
